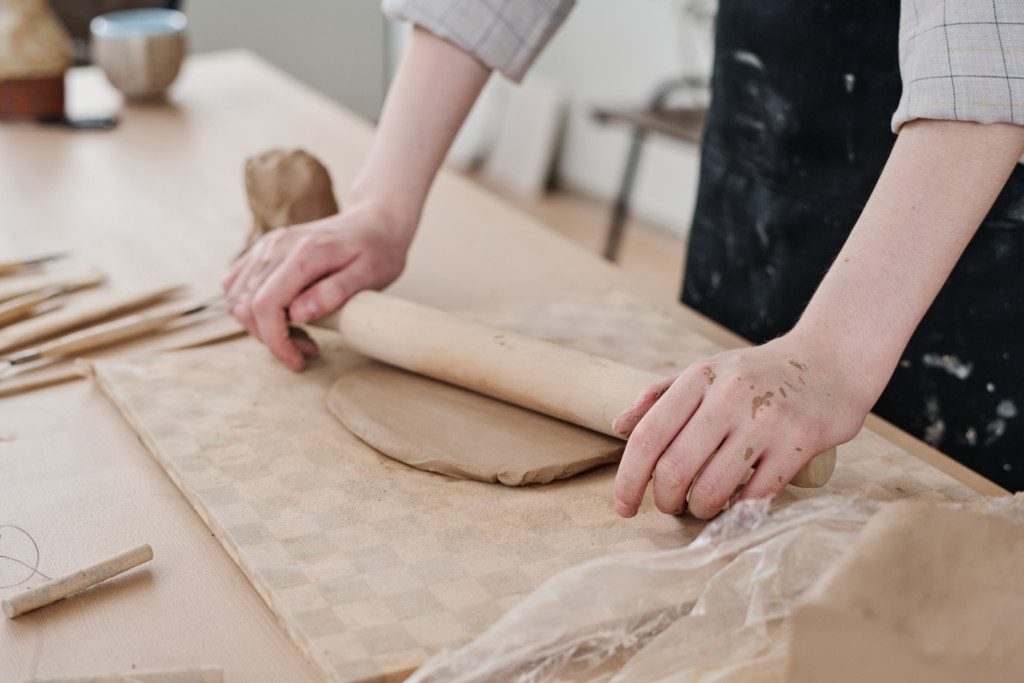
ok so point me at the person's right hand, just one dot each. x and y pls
(304, 272)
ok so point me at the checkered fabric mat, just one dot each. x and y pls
(372, 566)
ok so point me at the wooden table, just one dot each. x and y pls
(160, 199)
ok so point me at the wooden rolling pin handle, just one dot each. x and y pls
(55, 589)
(571, 385)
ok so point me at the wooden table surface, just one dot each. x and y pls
(160, 199)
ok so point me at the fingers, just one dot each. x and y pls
(776, 469)
(717, 483)
(626, 422)
(331, 292)
(232, 274)
(684, 459)
(247, 272)
(658, 427)
(303, 342)
(268, 309)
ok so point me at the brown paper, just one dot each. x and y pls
(924, 594)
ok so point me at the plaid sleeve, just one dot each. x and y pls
(961, 60)
(506, 35)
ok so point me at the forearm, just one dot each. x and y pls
(434, 88)
(941, 179)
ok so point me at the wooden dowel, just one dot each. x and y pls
(54, 590)
(194, 674)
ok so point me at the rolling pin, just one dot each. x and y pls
(571, 385)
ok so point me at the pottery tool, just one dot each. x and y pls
(195, 674)
(571, 385)
(27, 304)
(30, 284)
(101, 335)
(23, 306)
(56, 589)
(8, 267)
(41, 380)
(26, 332)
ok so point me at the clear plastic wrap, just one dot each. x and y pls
(712, 611)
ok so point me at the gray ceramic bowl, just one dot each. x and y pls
(140, 50)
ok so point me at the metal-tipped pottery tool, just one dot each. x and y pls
(105, 334)
(9, 267)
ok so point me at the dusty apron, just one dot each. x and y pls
(797, 135)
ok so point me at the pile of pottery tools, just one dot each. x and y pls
(42, 321)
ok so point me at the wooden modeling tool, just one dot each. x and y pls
(59, 588)
(105, 334)
(31, 284)
(70, 318)
(195, 674)
(9, 267)
(571, 385)
(41, 380)
(23, 306)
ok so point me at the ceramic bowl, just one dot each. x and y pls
(140, 50)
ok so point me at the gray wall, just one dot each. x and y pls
(336, 46)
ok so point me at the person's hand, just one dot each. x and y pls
(306, 271)
(697, 434)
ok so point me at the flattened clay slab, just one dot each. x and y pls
(442, 428)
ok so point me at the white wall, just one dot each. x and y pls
(609, 52)
(615, 52)
(337, 46)
(612, 52)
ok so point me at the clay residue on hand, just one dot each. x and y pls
(709, 375)
(762, 401)
(783, 392)
(748, 454)
(797, 364)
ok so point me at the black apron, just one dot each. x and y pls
(797, 134)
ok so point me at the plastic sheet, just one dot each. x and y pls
(711, 612)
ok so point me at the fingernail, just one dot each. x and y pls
(307, 311)
(624, 509)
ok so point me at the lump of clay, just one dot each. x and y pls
(924, 594)
(286, 187)
(442, 428)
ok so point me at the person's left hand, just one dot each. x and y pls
(698, 434)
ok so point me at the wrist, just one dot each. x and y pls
(394, 212)
(862, 366)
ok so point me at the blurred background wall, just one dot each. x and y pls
(609, 52)
(337, 46)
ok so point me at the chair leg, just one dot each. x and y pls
(620, 211)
